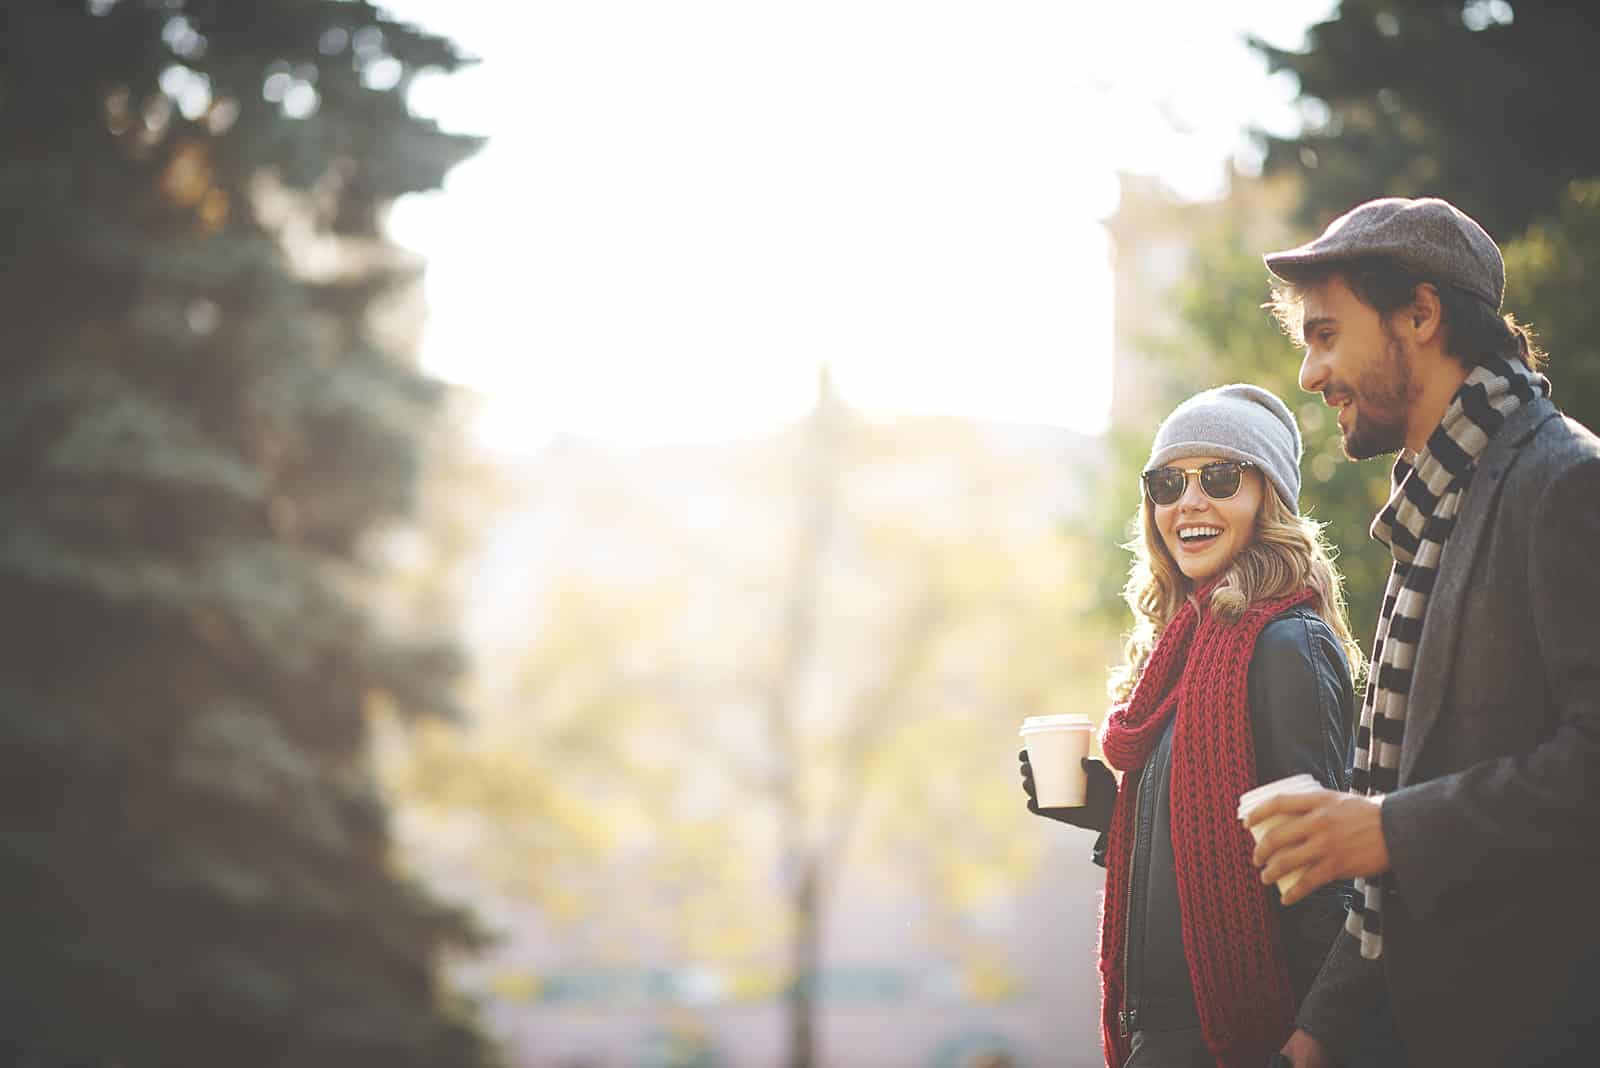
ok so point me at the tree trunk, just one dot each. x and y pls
(805, 946)
(801, 858)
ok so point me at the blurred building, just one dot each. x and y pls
(1153, 236)
(883, 999)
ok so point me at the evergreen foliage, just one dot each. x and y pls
(1473, 102)
(1483, 102)
(203, 430)
(1547, 285)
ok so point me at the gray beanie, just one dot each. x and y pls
(1236, 422)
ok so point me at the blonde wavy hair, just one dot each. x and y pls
(1287, 553)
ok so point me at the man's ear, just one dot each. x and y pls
(1424, 316)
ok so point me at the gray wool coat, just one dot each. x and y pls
(1492, 929)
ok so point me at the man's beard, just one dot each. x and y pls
(1378, 416)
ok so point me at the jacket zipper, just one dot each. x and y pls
(1128, 1021)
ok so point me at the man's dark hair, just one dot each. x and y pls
(1475, 333)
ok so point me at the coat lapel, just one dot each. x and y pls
(1436, 648)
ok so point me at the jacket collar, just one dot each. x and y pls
(1436, 648)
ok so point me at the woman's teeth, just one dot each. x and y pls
(1196, 533)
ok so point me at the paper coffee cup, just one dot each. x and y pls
(1056, 748)
(1251, 798)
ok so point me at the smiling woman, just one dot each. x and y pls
(684, 209)
(1236, 674)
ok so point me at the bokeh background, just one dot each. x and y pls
(529, 529)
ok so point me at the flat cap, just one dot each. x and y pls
(1430, 236)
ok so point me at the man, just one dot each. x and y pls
(1473, 821)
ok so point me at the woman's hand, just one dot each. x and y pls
(1099, 799)
(1303, 1051)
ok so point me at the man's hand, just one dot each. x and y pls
(1329, 834)
(1304, 1051)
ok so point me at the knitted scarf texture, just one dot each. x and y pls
(1199, 672)
(1415, 525)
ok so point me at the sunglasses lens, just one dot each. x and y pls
(1164, 485)
(1220, 480)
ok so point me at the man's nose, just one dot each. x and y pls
(1313, 371)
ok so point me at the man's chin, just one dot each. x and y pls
(1360, 443)
(1365, 440)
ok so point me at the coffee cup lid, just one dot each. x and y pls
(1293, 784)
(1063, 721)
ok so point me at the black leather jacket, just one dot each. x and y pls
(1302, 705)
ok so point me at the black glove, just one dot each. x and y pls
(1100, 798)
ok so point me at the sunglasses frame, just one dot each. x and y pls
(1198, 473)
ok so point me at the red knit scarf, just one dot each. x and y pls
(1199, 669)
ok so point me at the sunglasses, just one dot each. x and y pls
(1219, 479)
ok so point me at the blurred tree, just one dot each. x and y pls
(1474, 101)
(908, 642)
(828, 673)
(1483, 102)
(204, 425)
(1547, 285)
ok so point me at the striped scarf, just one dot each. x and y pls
(1415, 525)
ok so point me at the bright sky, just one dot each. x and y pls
(686, 207)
